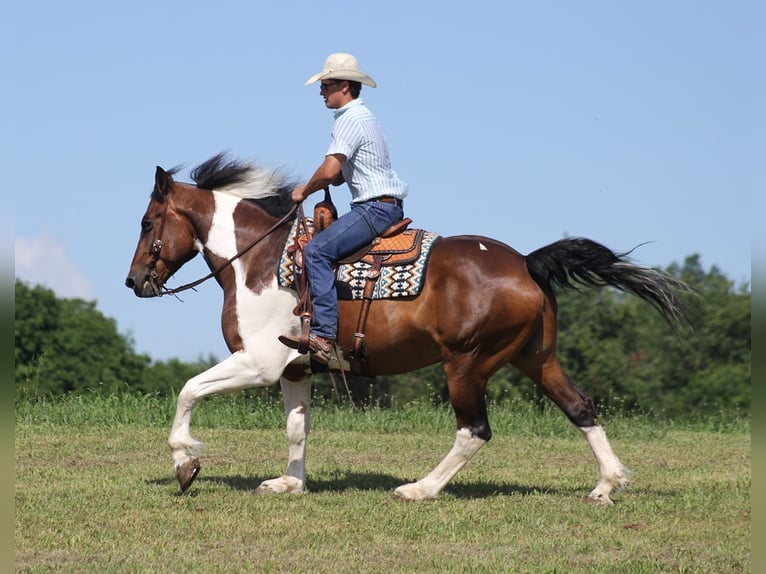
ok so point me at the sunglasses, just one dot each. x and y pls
(326, 85)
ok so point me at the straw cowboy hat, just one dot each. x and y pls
(341, 67)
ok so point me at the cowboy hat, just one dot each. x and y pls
(341, 67)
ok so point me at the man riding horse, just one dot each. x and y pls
(358, 156)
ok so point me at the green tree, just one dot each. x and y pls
(708, 367)
(37, 314)
(66, 345)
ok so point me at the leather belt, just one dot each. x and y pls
(389, 199)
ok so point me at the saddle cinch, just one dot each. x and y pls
(397, 245)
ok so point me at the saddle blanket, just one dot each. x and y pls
(395, 281)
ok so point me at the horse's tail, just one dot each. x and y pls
(569, 262)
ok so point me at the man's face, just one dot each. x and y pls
(334, 92)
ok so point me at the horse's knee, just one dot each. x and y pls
(188, 391)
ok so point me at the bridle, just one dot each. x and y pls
(156, 249)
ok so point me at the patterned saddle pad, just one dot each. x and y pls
(401, 274)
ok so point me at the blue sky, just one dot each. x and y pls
(624, 123)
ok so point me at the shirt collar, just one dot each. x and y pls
(352, 104)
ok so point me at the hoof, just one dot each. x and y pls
(281, 485)
(413, 492)
(600, 499)
(399, 498)
(186, 473)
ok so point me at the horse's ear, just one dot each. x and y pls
(162, 181)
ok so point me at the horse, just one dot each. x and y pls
(482, 305)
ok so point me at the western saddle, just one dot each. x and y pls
(397, 245)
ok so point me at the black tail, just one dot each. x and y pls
(569, 262)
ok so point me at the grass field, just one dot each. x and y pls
(95, 492)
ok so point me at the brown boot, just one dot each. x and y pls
(320, 348)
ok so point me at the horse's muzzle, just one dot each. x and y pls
(143, 288)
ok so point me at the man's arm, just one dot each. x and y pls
(326, 174)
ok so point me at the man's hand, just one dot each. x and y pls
(327, 173)
(299, 193)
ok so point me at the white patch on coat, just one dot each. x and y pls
(482, 247)
(261, 317)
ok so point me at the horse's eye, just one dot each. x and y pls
(146, 225)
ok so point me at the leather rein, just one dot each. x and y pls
(156, 248)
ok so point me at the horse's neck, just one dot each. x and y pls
(241, 231)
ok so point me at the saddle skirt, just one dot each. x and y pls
(402, 258)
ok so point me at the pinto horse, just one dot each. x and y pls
(482, 305)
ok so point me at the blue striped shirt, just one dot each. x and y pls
(367, 170)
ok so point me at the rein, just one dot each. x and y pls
(154, 252)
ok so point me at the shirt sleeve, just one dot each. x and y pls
(346, 138)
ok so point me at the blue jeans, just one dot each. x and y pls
(351, 232)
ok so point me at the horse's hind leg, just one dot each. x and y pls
(466, 389)
(579, 408)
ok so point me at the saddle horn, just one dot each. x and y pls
(324, 212)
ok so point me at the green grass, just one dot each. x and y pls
(95, 492)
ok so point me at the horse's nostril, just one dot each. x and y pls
(129, 283)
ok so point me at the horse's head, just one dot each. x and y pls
(167, 241)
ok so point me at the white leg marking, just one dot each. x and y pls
(613, 474)
(240, 371)
(297, 410)
(429, 487)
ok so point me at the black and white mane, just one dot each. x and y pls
(269, 188)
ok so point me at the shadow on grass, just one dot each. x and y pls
(371, 481)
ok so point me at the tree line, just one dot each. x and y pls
(615, 347)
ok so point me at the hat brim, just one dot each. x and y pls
(351, 75)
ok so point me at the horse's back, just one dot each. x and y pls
(472, 259)
(471, 244)
(480, 285)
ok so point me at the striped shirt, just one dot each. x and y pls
(367, 170)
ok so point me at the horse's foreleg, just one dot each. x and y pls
(297, 397)
(233, 374)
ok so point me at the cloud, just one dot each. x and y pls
(43, 261)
